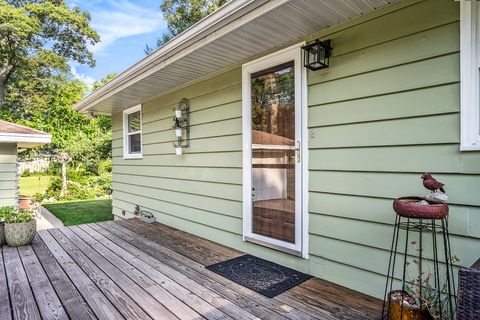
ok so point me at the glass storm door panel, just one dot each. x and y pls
(274, 145)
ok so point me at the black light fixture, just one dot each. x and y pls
(317, 55)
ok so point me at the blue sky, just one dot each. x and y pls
(125, 27)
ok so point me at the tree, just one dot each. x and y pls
(182, 14)
(37, 40)
(104, 81)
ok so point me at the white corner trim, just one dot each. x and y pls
(305, 166)
(126, 112)
(469, 77)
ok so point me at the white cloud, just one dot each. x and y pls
(114, 20)
(82, 77)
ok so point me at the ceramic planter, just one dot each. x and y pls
(411, 207)
(2, 233)
(411, 312)
(20, 234)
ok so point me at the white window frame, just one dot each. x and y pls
(469, 76)
(292, 53)
(126, 134)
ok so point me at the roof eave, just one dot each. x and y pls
(200, 30)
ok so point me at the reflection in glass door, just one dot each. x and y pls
(274, 154)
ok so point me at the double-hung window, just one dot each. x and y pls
(132, 132)
(470, 74)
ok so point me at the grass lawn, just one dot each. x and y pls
(76, 212)
(31, 185)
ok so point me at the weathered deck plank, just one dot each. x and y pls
(217, 253)
(5, 310)
(102, 307)
(125, 305)
(225, 305)
(136, 292)
(23, 302)
(72, 301)
(259, 305)
(165, 286)
(47, 300)
(134, 270)
(314, 297)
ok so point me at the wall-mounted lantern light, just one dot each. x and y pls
(317, 55)
(181, 126)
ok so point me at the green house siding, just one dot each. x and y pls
(386, 110)
(8, 175)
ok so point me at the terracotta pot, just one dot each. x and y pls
(410, 207)
(397, 312)
(25, 203)
(20, 234)
(2, 233)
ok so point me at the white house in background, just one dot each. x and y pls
(12, 138)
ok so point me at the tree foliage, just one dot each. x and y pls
(104, 81)
(182, 14)
(51, 112)
(37, 40)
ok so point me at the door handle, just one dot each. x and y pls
(298, 151)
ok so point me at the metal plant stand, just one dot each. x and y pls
(442, 262)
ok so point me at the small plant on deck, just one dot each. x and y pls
(20, 227)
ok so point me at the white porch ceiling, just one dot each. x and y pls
(231, 35)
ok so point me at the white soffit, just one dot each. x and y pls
(239, 30)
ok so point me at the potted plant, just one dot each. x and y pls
(402, 306)
(4, 211)
(20, 228)
(420, 300)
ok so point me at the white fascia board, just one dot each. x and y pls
(221, 22)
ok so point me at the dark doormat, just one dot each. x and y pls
(262, 276)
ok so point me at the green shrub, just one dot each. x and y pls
(101, 184)
(13, 215)
(76, 191)
(5, 212)
(39, 196)
(79, 175)
(26, 173)
(91, 167)
(54, 168)
(105, 166)
(16, 216)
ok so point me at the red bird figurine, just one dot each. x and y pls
(431, 184)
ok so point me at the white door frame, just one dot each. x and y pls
(294, 53)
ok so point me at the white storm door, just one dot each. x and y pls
(272, 151)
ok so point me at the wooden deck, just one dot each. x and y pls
(133, 270)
